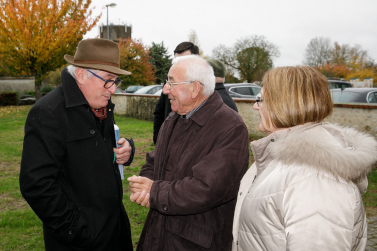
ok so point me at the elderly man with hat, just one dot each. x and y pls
(219, 71)
(190, 180)
(69, 169)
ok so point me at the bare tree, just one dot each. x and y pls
(251, 56)
(340, 54)
(359, 56)
(318, 52)
(193, 38)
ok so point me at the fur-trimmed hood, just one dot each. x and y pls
(343, 152)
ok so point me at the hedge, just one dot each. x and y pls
(8, 98)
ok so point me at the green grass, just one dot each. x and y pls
(370, 197)
(21, 229)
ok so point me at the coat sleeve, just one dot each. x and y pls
(41, 166)
(148, 169)
(321, 213)
(215, 180)
(159, 117)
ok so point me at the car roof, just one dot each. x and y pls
(359, 90)
(337, 80)
(240, 84)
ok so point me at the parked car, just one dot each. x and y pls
(354, 95)
(27, 100)
(118, 90)
(133, 88)
(341, 83)
(158, 92)
(150, 89)
(243, 90)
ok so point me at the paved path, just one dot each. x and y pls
(372, 234)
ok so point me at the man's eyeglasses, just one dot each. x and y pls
(108, 83)
(170, 84)
(259, 100)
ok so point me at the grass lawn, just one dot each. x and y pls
(21, 229)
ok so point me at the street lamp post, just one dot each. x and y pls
(107, 16)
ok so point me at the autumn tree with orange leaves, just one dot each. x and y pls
(134, 57)
(35, 35)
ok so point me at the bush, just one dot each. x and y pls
(47, 89)
(8, 98)
(31, 93)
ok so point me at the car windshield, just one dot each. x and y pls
(132, 88)
(343, 97)
(372, 97)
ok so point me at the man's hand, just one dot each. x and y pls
(123, 153)
(140, 188)
(140, 184)
(141, 198)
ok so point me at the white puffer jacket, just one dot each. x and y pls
(304, 190)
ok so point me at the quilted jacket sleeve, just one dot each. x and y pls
(324, 218)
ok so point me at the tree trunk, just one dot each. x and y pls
(38, 87)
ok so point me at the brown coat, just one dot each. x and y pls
(196, 166)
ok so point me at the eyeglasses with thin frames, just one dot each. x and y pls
(170, 84)
(108, 83)
(259, 99)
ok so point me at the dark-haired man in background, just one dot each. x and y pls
(163, 107)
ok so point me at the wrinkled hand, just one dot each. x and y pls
(140, 198)
(140, 188)
(123, 153)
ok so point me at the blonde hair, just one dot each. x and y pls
(295, 95)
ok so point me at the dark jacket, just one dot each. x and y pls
(68, 176)
(196, 166)
(161, 112)
(220, 88)
(163, 108)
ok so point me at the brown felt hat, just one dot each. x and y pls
(97, 53)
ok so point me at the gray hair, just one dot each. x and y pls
(72, 70)
(197, 69)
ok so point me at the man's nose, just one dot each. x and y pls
(113, 89)
(165, 89)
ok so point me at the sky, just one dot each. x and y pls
(288, 24)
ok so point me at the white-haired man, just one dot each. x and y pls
(190, 180)
(69, 169)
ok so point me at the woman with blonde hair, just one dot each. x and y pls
(303, 191)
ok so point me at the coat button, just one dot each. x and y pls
(92, 131)
(240, 193)
(165, 208)
(272, 140)
(71, 231)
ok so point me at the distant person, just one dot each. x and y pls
(69, 169)
(190, 180)
(163, 107)
(303, 191)
(220, 71)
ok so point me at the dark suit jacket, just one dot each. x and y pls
(68, 176)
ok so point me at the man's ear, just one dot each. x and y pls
(80, 75)
(195, 89)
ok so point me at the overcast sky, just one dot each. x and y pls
(289, 24)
